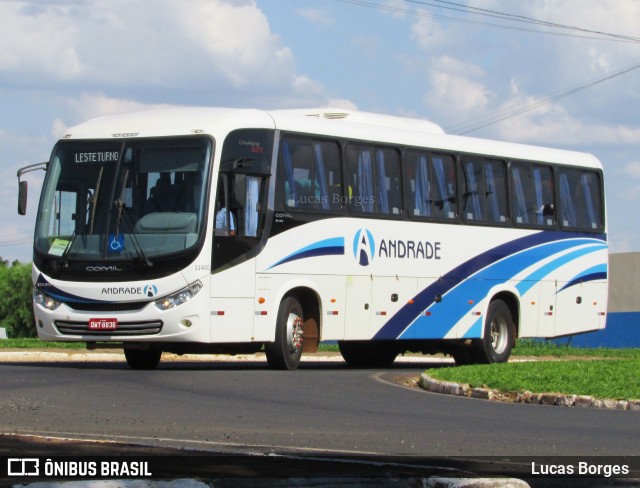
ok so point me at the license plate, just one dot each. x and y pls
(103, 324)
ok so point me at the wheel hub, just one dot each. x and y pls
(498, 335)
(294, 332)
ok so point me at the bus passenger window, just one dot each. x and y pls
(544, 195)
(580, 199)
(590, 190)
(374, 180)
(495, 191)
(310, 174)
(532, 195)
(430, 185)
(444, 202)
(472, 209)
(388, 182)
(485, 192)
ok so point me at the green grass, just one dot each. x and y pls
(601, 378)
(529, 347)
(599, 372)
(38, 344)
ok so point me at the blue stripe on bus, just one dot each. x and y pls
(62, 296)
(516, 255)
(526, 284)
(327, 247)
(478, 285)
(598, 272)
(475, 330)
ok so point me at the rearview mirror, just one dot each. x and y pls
(22, 197)
(22, 185)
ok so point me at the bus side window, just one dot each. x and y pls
(444, 187)
(374, 180)
(580, 199)
(521, 198)
(417, 184)
(388, 195)
(310, 176)
(360, 171)
(472, 173)
(590, 188)
(544, 195)
(495, 191)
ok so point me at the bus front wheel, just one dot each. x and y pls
(285, 352)
(142, 358)
(499, 335)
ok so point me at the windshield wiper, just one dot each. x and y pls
(67, 249)
(122, 212)
(93, 201)
(119, 203)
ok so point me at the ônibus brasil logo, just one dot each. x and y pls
(364, 247)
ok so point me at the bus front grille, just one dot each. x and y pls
(107, 307)
(124, 328)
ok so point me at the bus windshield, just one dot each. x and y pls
(123, 200)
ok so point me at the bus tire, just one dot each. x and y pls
(285, 352)
(367, 354)
(142, 358)
(499, 335)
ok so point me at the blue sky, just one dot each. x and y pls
(63, 62)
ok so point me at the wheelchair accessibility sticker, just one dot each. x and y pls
(116, 243)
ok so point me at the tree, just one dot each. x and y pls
(16, 304)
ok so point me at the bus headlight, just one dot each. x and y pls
(179, 297)
(45, 300)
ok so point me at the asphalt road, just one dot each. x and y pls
(323, 408)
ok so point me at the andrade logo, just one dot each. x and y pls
(151, 290)
(364, 247)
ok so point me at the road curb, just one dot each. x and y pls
(557, 399)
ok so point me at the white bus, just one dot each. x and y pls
(209, 230)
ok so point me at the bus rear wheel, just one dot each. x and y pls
(367, 354)
(286, 351)
(142, 358)
(499, 335)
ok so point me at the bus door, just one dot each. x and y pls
(239, 218)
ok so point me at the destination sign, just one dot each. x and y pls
(97, 157)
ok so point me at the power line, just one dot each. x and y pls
(595, 35)
(16, 243)
(522, 18)
(507, 113)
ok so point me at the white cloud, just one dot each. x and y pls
(341, 103)
(38, 43)
(251, 55)
(632, 169)
(554, 125)
(317, 16)
(583, 58)
(426, 32)
(91, 105)
(455, 89)
(191, 43)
